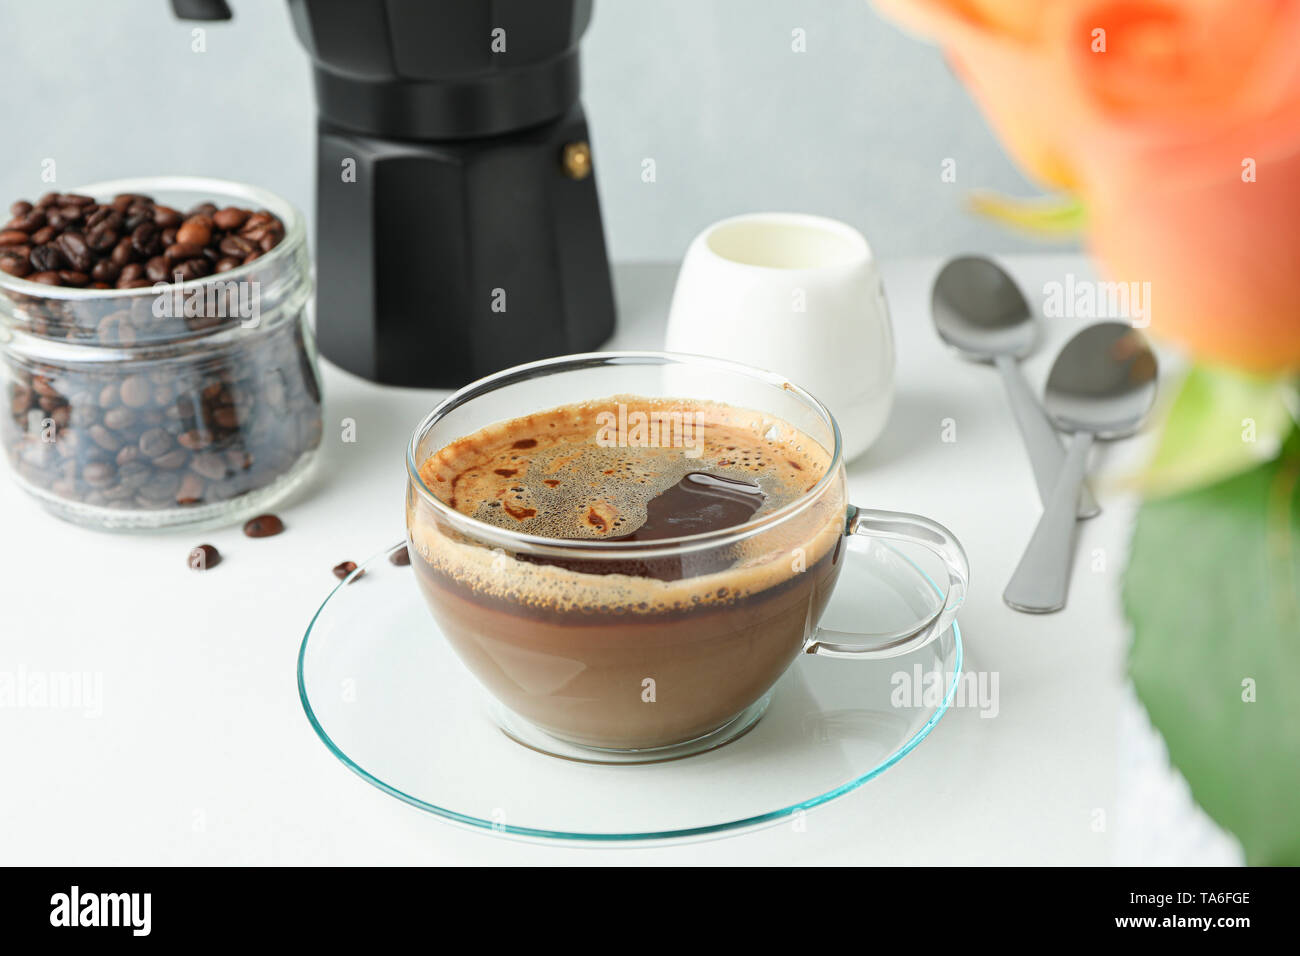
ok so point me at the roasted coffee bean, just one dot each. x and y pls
(172, 460)
(105, 271)
(159, 489)
(135, 391)
(33, 222)
(193, 269)
(12, 237)
(73, 278)
(136, 215)
(98, 474)
(119, 418)
(190, 491)
(43, 386)
(47, 278)
(74, 249)
(263, 526)
(122, 252)
(236, 246)
(195, 439)
(131, 271)
(180, 251)
(401, 557)
(22, 207)
(132, 474)
(209, 464)
(101, 238)
(114, 330)
(144, 239)
(203, 558)
(197, 230)
(224, 264)
(155, 443)
(345, 568)
(166, 217)
(259, 218)
(47, 258)
(228, 218)
(18, 265)
(104, 438)
(157, 269)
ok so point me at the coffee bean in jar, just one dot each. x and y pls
(157, 363)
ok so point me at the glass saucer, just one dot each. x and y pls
(390, 699)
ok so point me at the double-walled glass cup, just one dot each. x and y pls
(644, 650)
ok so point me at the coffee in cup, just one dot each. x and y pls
(621, 650)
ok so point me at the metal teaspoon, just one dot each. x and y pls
(1102, 385)
(979, 311)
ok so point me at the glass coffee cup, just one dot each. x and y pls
(612, 648)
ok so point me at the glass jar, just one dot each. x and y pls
(195, 403)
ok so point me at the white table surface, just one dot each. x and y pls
(202, 753)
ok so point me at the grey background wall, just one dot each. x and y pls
(856, 127)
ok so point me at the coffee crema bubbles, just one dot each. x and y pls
(554, 474)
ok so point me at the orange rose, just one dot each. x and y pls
(1178, 123)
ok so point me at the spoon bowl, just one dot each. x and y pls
(1103, 382)
(980, 311)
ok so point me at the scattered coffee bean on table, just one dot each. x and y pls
(401, 557)
(263, 526)
(129, 243)
(204, 557)
(342, 570)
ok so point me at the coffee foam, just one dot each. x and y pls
(546, 474)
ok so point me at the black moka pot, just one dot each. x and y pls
(458, 229)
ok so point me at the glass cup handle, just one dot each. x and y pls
(934, 537)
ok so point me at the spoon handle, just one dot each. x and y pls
(1042, 578)
(1041, 440)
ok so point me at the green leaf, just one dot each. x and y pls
(1044, 217)
(1213, 593)
(1222, 422)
